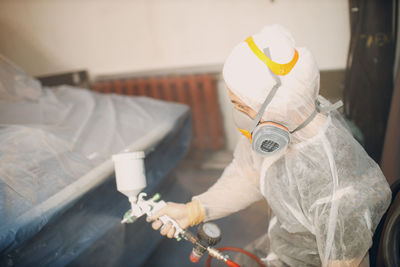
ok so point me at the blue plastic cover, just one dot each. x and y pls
(56, 143)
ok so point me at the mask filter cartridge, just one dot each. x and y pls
(270, 139)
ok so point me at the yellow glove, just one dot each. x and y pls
(185, 215)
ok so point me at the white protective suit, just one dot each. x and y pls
(325, 193)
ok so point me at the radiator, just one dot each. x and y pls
(199, 92)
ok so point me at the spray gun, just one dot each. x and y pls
(131, 180)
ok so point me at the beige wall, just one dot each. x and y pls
(114, 36)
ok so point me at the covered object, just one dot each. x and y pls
(58, 200)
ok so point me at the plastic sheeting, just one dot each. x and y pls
(89, 232)
(55, 142)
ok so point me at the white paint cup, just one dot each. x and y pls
(130, 173)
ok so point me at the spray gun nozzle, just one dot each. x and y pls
(129, 217)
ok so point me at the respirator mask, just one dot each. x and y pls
(268, 137)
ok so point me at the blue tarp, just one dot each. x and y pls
(56, 143)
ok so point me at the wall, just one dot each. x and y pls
(114, 36)
(124, 36)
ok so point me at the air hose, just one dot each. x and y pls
(233, 264)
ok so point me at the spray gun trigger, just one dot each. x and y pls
(156, 197)
(141, 196)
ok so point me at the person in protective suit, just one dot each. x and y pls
(326, 195)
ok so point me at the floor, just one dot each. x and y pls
(195, 173)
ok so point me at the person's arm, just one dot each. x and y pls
(189, 214)
(237, 188)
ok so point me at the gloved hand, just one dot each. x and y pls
(185, 215)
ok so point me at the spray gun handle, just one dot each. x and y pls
(166, 219)
(178, 230)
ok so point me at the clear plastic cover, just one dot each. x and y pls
(51, 138)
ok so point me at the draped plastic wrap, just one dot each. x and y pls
(56, 143)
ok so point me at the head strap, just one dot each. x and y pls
(276, 68)
(283, 69)
(318, 109)
(269, 97)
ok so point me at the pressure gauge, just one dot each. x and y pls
(210, 233)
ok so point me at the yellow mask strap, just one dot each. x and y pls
(278, 69)
(246, 133)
